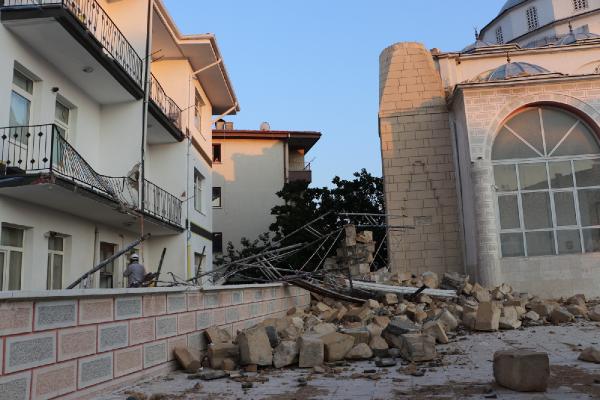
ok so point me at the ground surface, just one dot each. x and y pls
(464, 371)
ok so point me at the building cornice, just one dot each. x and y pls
(303, 139)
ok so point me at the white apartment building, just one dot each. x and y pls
(249, 168)
(80, 177)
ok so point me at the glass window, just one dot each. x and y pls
(19, 110)
(62, 118)
(217, 242)
(12, 257)
(506, 178)
(12, 237)
(509, 212)
(532, 18)
(15, 264)
(198, 103)
(22, 82)
(499, 35)
(533, 176)
(198, 189)
(216, 152)
(552, 194)
(216, 197)
(55, 262)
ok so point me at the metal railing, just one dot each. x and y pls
(34, 149)
(166, 104)
(96, 21)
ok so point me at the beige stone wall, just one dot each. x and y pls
(418, 166)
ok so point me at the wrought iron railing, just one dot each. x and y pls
(166, 104)
(100, 25)
(26, 150)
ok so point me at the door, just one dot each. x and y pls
(107, 250)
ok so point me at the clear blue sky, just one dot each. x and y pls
(313, 64)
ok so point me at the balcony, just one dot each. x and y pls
(37, 165)
(80, 40)
(164, 121)
(304, 175)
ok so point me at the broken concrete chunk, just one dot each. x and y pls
(350, 235)
(209, 375)
(448, 320)
(381, 320)
(286, 353)
(390, 299)
(469, 319)
(360, 335)
(578, 310)
(531, 316)
(488, 317)
(541, 308)
(417, 347)
(356, 314)
(436, 330)
(379, 346)
(365, 237)
(255, 347)
(590, 354)
(217, 352)
(578, 299)
(521, 370)
(373, 303)
(312, 352)
(361, 351)
(322, 307)
(186, 360)
(430, 279)
(399, 326)
(594, 315)
(228, 364)
(217, 335)
(272, 335)
(323, 329)
(559, 316)
(337, 345)
(481, 294)
(509, 318)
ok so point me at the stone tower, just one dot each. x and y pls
(418, 166)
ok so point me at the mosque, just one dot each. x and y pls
(492, 153)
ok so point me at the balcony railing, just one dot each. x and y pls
(26, 150)
(96, 21)
(166, 104)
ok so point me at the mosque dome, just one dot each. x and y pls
(478, 44)
(512, 70)
(510, 4)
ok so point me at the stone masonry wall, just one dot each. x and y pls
(418, 166)
(78, 345)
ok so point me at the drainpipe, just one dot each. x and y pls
(145, 121)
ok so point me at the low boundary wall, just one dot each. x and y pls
(76, 344)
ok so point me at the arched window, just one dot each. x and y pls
(547, 178)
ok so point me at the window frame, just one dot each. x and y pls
(220, 159)
(533, 21)
(499, 35)
(27, 95)
(579, 5)
(574, 190)
(198, 104)
(66, 127)
(8, 250)
(199, 182)
(217, 237)
(50, 278)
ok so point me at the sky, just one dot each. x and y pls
(313, 65)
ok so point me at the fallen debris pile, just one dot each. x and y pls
(389, 327)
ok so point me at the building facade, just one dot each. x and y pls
(491, 152)
(88, 165)
(249, 168)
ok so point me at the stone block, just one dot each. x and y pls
(255, 347)
(155, 353)
(204, 320)
(435, 329)
(197, 344)
(195, 301)
(29, 351)
(379, 346)
(211, 300)
(54, 381)
(176, 303)
(218, 317)
(232, 314)
(390, 299)
(16, 386)
(55, 314)
(16, 317)
(186, 360)
(337, 345)
(141, 331)
(361, 351)
(590, 354)
(95, 311)
(595, 314)
(166, 326)
(542, 309)
(560, 316)
(186, 322)
(522, 370)
(128, 361)
(237, 297)
(128, 307)
(113, 336)
(509, 319)
(398, 326)
(448, 320)
(94, 370)
(417, 347)
(76, 342)
(154, 304)
(311, 352)
(217, 352)
(174, 342)
(488, 317)
(360, 335)
(285, 354)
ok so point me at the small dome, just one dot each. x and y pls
(510, 4)
(512, 70)
(478, 44)
(576, 37)
(543, 42)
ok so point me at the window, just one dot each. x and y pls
(198, 103)
(56, 258)
(499, 35)
(532, 18)
(217, 242)
(20, 102)
(547, 178)
(11, 257)
(198, 188)
(107, 250)
(199, 263)
(216, 152)
(62, 118)
(216, 197)
(580, 4)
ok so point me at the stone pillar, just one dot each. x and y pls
(488, 251)
(418, 165)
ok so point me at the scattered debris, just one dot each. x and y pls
(590, 354)
(522, 371)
